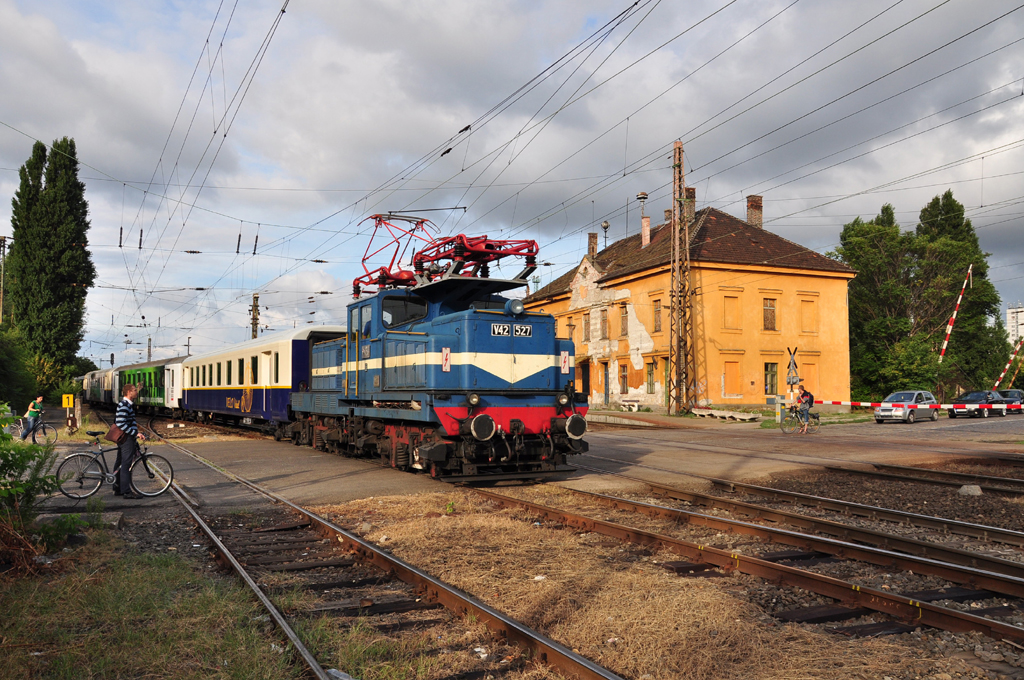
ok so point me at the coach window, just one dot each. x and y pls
(228, 364)
(241, 371)
(397, 310)
(218, 374)
(277, 366)
(254, 364)
(204, 375)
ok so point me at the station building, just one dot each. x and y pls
(756, 294)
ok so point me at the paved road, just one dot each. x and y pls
(730, 451)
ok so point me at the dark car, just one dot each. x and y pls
(969, 403)
(1013, 398)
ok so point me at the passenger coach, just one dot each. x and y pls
(251, 383)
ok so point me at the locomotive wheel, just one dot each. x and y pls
(277, 435)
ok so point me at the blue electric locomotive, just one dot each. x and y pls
(439, 372)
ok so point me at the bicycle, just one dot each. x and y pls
(46, 433)
(81, 474)
(791, 423)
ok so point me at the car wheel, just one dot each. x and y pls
(1002, 412)
(911, 417)
(935, 415)
(952, 414)
(879, 421)
(984, 412)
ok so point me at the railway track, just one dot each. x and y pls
(909, 609)
(355, 580)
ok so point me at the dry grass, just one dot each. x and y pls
(598, 597)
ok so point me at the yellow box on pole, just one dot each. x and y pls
(68, 401)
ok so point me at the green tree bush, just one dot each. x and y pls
(904, 293)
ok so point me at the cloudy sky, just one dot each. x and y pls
(230, 128)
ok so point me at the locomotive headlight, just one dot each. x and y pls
(473, 399)
(563, 399)
(514, 307)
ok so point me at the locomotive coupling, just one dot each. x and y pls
(481, 427)
(575, 426)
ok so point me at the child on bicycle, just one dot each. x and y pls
(35, 410)
(804, 400)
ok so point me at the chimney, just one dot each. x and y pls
(592, 244)
(645, 230)
(754, 212)
(690, 205)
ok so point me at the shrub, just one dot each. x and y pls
(24, 476)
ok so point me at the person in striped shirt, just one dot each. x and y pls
(124, 418)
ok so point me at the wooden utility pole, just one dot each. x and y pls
(3, 263)
(255, 309)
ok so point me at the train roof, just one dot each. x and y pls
(149, 364)
(271, 338)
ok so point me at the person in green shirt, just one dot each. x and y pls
(35, 409)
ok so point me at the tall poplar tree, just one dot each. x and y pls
(50, 266)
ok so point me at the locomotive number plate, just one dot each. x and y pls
(501, 329)
(524, 330)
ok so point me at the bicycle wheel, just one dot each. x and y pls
(44, 435)
(151, 475)
(790, 423)
(813, 425)
(79, 475)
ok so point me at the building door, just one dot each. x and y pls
(583, 371)
(607, 385)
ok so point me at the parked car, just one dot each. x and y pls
(1013, 397)
(967, 401)
(894, 407)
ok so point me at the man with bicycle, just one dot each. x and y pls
(804, 401)
(34, 412)
(124, 418)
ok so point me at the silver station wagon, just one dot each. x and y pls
(895, 407)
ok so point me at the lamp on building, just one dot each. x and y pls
(605, 225)
(571, 327)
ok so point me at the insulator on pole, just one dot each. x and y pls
(238, 246)
(120, 237)
(255, 241)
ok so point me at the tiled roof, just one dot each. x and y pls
(721, 238)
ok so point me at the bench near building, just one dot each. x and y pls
(756, 294)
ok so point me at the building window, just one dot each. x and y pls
(624, 321)
(808, 316)
(586, 328)
(650, 378)
(623, 379)
(604, 324)
(731, 312)
(731, 381)
(657, 316)
(229, 370)
(771, 378)
(769, 315)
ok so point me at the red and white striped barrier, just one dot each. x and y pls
(952, 320)
(877, 404)
(1012, 357)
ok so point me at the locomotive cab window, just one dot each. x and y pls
(365, 316)
(398, 310)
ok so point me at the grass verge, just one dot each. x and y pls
(115, 614)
